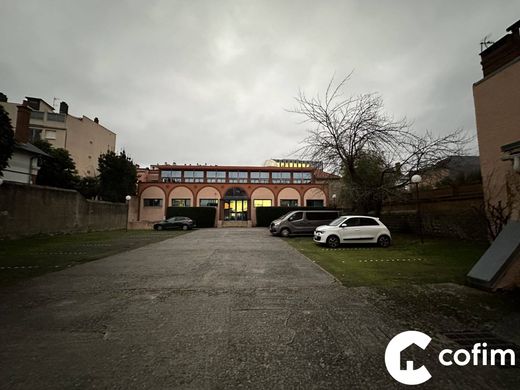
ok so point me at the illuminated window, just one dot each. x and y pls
(281, 177)
(262, 202)
(171, 176)
(181, 202)
(259, 177)
(289, 202)
(149, 202)
(237, 177)
(208, 202)
(302, 177)
(216, 177)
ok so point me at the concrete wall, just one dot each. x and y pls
(27, 210)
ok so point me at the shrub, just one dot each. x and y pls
(203, 216)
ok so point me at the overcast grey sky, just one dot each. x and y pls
(208, 81)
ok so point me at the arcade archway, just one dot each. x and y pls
(236, 205)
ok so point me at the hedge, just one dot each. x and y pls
(266, 215)
(203, 216)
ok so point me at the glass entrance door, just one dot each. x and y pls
(235, 210)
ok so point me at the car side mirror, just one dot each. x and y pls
(343, 225)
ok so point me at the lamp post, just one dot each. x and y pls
(416, 179)
(334, 200)
(128, 197)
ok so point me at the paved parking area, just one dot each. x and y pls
(216, 308)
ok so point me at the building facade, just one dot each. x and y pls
(497, 110)
(23, 165)
(84, 138)
(236, 191)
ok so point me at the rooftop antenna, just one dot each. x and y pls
(485, 43)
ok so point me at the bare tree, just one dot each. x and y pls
(347, 128)
(501, 200)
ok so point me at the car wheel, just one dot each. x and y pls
(384, 241)
(333, 241)
(159, 227)
(184, 227)
(285, 232)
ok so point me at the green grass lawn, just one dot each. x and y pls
(407, 261)
(407, 277)
(28, 257)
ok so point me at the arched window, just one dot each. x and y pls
(235, 193)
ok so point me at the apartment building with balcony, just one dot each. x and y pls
(84, 138)
(236, 191)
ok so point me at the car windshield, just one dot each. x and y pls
(285, 215)
(337, 221)
(173, 219)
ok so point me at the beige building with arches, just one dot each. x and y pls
(235, 191)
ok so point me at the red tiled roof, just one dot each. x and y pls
(321, 174)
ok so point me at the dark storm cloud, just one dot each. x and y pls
(196, 81)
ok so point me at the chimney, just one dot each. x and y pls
(3, 97)
(514, 29)
(34, 103)
(22, 133)
(502, 52)
(64, 108)
(96, 120)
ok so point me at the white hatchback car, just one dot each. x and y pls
(354, 229)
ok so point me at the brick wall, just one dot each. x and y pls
(450, 215)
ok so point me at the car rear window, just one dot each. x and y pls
(368, 222)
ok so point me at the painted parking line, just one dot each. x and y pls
(348, 249)
(391, 260)
(61, 253)
(10, 267)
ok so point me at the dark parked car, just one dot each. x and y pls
(301, 222)
(183, 223)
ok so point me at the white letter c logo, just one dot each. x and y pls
(399, 343)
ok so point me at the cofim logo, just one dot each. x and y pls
(478, 355)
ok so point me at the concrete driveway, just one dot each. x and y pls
(216, 308)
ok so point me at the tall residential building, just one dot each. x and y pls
(497, 110)
(84, 138)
